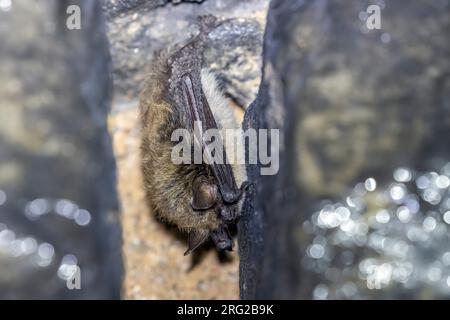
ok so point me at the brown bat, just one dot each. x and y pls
(202, 199)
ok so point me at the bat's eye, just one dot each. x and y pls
(204, 193)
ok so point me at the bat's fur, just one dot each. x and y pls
(169, 186)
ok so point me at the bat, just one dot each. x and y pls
(202, 199)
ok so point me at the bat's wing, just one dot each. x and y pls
(200, 114)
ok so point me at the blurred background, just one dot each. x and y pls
(58, 204)
(360, 208)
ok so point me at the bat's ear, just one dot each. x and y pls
(196, 238)
(204, 194)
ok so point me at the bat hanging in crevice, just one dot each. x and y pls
(201, 199)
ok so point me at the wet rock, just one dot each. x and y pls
(351, 103)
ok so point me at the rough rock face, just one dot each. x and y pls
(351, 103)
(153, 252)
(58, 205)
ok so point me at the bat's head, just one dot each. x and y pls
(206, 195)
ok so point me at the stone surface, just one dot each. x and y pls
(56, 156)
(351, 103)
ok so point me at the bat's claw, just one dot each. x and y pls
(246, 185)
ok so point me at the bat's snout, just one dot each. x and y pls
(222, 239)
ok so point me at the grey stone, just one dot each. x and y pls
(351, 103)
